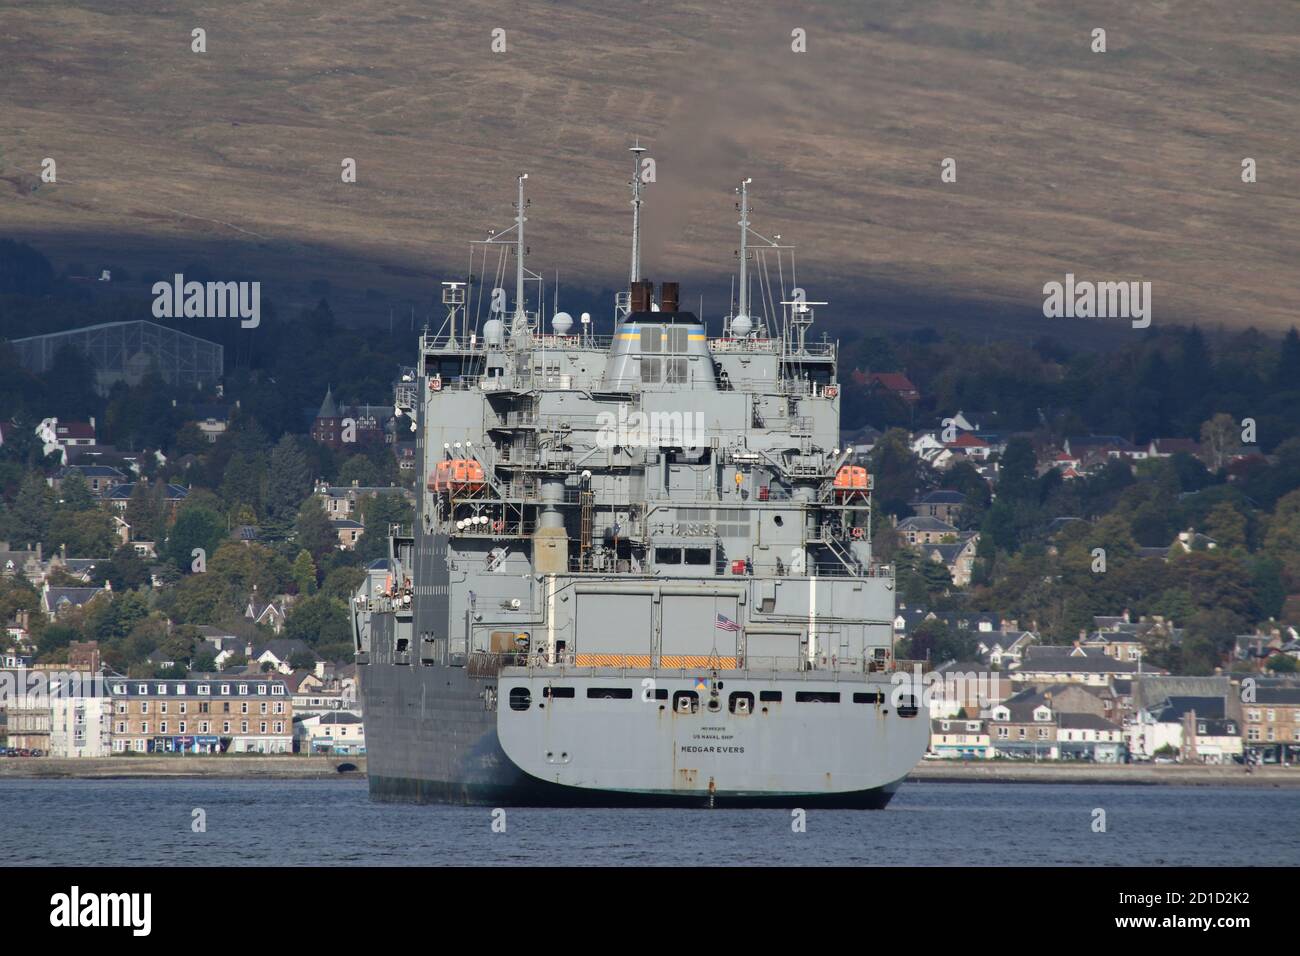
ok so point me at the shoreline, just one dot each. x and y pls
(1179, 775)
(188, 767)
(286, 767)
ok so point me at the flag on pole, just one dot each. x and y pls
(724, 623)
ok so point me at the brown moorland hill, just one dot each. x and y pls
(1117, 165)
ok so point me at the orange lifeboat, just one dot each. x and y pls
(849, 479)
(457, 476)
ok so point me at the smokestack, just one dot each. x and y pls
(668, 297)
(641, 293)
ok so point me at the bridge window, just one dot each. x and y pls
(668, 555)
(699, 556)
(817, 697)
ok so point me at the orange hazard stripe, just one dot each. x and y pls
(612, 660)
(697, 660)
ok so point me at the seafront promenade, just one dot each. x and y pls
(230, 767)
(947, 771)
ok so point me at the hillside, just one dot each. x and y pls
(1122, 165)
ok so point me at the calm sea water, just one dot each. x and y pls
(285, 823)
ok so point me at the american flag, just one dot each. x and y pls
(724, 623)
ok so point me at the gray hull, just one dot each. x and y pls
(431, 740)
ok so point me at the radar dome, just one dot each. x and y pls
(561, 323)
(494, 332)
(741, 326)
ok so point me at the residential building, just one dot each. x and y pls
(119, 496)
(209, 714)
(925, 530)
(1089, 737)
(348, 532)
(81, 726)
(1050, 664)
(1024, 726)
(56, 601)
(1272, 721)
(944, 505)
(338, 425)
(894, 383)
(212, 420)
(344, 501)
(958, 557)
(98, 478)
(267, 613)
(955, 738)
(336, 732)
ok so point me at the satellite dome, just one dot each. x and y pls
(586, 318)
(494, 332)
(561, 323)
(741, 326)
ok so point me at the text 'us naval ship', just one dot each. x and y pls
(640, 568)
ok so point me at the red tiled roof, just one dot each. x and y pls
(967, 440)
(75, 430)
(894, 381)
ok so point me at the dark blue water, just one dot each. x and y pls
(285, 823)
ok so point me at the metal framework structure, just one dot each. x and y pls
(125, 351)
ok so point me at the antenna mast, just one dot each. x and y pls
(744, 246)
(521, 318)
(636, 151)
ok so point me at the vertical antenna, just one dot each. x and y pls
(636, 151)
(520, 318)
(744, 242)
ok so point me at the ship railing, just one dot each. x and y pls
(745, 345)
(485, 664)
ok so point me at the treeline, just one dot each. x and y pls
(1164, 384)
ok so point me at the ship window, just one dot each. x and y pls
(557, 692)
(907, 706)
(817, 696)
(668, 555)
(770, 696)
(661, 694)
(520, 698)
(876, 698)
(650, 370)
(610, 693)
(676, 371)
(699, 556)
(740, 702)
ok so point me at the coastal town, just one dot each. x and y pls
(1068, 594)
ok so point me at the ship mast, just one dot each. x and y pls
(521, 318)
(744, 246)
(636, 151)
